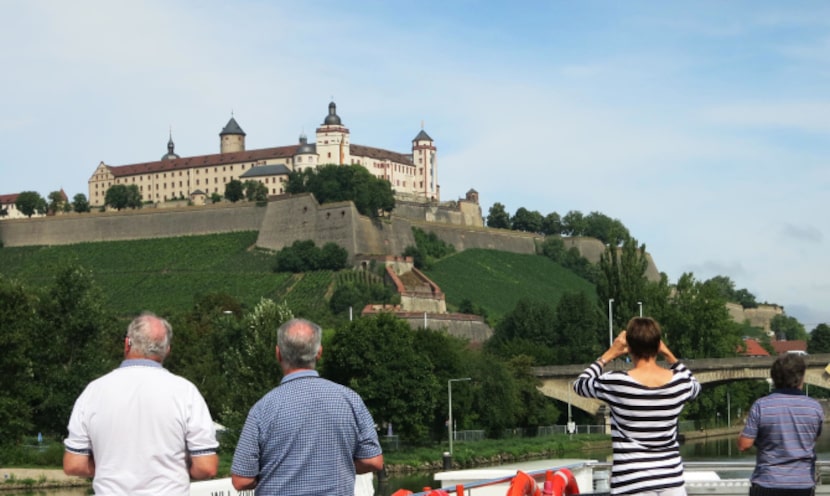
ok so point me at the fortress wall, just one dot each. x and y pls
(464, 238)
(461, 213)
(131, 224)
(297, 218)
(282, 221)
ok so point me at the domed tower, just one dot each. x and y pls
(332, 140)
(426, 167)
(170, 155)
(306, 155)
(232, 138)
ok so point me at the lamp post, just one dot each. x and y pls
(610, 322)
(640, 304)
(571, 427)
(449, 398)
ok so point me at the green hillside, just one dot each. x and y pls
(496, 280)
(166, 274)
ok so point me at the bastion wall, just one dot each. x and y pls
(282, 221)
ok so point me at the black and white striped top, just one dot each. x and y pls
(643, 425)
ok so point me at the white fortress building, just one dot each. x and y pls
(412, 175)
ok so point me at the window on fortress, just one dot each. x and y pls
(215, 180)
(197, 182)
(329, 154)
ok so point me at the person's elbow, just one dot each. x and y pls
(204, 467)
(78, 465)
(241, 483)
(365, 465)
(744, 443)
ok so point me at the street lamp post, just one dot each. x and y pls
(640, 303)
(449, 398)
(571, 427)
(610, 322)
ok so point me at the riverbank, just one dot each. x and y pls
(38, 478)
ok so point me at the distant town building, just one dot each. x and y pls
(8, 209)
(412, 175)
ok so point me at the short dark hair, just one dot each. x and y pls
(788, 371)
(643, 335)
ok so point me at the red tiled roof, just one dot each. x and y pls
(753, 348)
(204, 161)
(782, 347)
(379, 154)
(8, 199)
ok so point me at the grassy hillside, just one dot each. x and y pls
(496, 280)
(165, 275)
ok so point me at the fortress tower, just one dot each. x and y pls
(232, 138)
(333, 140)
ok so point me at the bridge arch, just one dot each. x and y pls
(557, 381)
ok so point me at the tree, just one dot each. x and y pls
(134, 197)
(525, 220)
(116, 197)
(819, 339)
(255, 191)
(579, 325)
(552, 224)
(604, 228)
(498, 217)
(696, 323)
(29, 203)
(18, 310)
(249, 362)
(787, 328)
(573, 223)
(331, 183)
(80, 203)
(234, 191)
(622, 277)
(377, 358)
(76, 341)
(527, 330)
(56, 202)
(215, 197)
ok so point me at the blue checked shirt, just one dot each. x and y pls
(303, 436)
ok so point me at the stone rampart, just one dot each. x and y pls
(131, 224)
(464, 326)
(459, 213)
(282, 221)
(761, 316)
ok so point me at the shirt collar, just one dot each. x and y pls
(299, 375)
(795, 391)
(139, 362)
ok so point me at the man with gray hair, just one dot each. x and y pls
(307, 436)
(140, 429)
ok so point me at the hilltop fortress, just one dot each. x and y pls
(197, 178)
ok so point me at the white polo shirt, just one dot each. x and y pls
(139, 422)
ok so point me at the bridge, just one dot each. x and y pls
(557, 380)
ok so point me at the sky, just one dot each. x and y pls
(703, 126)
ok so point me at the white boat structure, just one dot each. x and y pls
(718, 478)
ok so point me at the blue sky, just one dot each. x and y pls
(702, 126)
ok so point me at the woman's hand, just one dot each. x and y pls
(618, 348)
(666, 352)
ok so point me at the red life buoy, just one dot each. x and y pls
(523, 485)
(562, 483)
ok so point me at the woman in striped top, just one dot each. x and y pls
(645, 404)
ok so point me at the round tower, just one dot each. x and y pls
(424, 159)
(232, 138)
